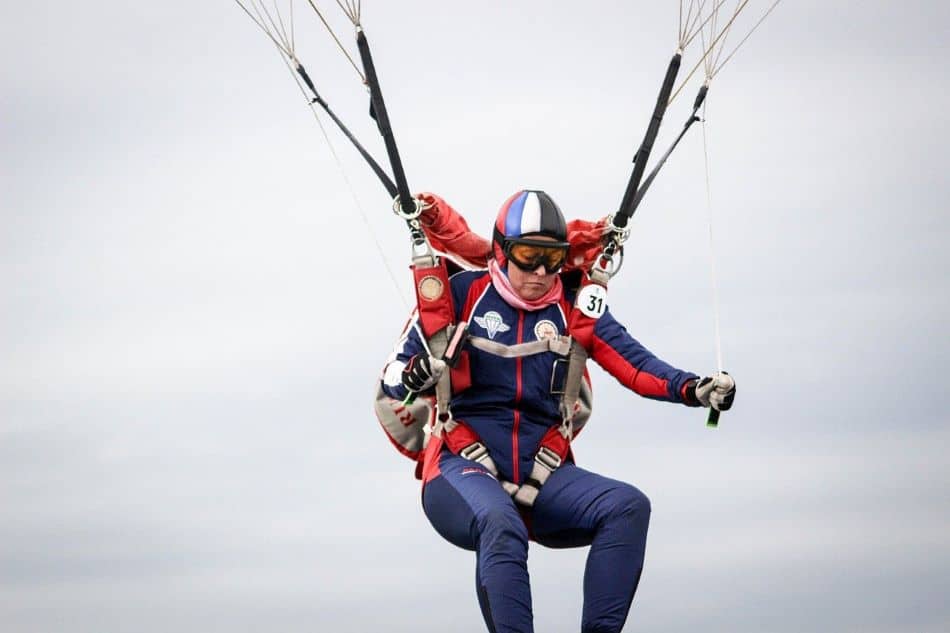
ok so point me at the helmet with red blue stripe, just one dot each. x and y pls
(527, 214)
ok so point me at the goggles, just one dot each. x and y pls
(529, 254)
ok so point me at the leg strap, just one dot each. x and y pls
(545, 463)
(478, 453)
(465, 443)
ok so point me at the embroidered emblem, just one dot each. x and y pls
(493, 323)
(545, 330)
(430, 288)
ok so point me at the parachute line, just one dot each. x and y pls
(712, 250)
(283, 29)
(352, 10)
(712, 44)
(259, 21)
(714, 41)
(700, 100)
(689, 25)
(696, 29)
(283, 40)
(361, 210)
(762, 19)
(349, 186)
(712, 418)
(337, 39)
(299, 75)
(280, 32)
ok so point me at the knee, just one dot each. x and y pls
(630, 501)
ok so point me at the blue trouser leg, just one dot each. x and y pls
(469, 508)
(577, 508)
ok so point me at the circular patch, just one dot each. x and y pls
(545, 330)
(592, 300)
(430, 288)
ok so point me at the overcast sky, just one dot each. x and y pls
(194, 312)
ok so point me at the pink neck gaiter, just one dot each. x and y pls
(503, 285)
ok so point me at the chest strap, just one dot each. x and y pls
(560, 345)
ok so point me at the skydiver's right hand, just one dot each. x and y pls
(422, 372)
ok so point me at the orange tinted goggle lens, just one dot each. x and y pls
(530, 256)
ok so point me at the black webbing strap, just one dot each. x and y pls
(378, 112)
(640, 159)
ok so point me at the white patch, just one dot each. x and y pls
(592, 300)
(493, 323)
(545, 330)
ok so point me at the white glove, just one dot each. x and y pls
(717, 391)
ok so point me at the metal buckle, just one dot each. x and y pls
(474, 452)
(548, 458)
(619, 234)
(609, 264)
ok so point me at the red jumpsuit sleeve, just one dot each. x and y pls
(634, 366)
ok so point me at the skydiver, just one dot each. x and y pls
(484, 488)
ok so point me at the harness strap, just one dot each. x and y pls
(449, 346)
(447, 339)
(443, 337)
(463, 441)
(478, 453)
(556, 443)
(572, 384)
(560, 345)
(433, 297)
(551, 454)
(443, 396)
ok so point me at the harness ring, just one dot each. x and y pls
(412, 215)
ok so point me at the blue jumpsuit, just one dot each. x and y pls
(511, 403)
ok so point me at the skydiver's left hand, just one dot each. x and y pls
(717, 391)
